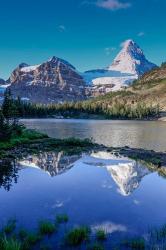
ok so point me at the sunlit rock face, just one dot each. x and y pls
(55, 80)
(54, 163)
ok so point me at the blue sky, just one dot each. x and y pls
(87, 33)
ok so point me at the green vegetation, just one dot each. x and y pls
(95, 246)
(62, 218)
(47, 227)
(15, 136)
(115, 105)
(26, 136)
(31, 240)
(77, 236)
(13, 133)
(110, 106)
(9, 126)
(138, 243)
(32, 142)
(10, 244)
(101, 235)
(10, 226)
(159, 233)
(22, 234)
(45, 247)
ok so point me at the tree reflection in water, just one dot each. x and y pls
(8, 173)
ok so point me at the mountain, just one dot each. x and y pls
(2, 89)
(55, 80)
(2, 82)
(149, 90)
(131, 60)
(128, 65)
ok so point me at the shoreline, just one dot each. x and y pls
(34, 142)
(160, 119)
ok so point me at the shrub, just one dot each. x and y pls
(101, 235)
(46, 227)
(11, 244)
(137, 243)
(10, 226)
(23, 234)
(77, 236)
(32, 239)
(62, 218)
(96, 246)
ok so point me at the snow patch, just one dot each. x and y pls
(128, 65)
(29, 68)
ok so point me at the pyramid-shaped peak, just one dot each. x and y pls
(129, 46)
(128, 43)
(131, 59)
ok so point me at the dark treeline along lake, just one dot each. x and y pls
(99, 189)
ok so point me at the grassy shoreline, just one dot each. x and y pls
(32, 142)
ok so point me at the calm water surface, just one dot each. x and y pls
(139, 134)
(99, 189)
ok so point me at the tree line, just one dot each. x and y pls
(12, 109)
(9, 123)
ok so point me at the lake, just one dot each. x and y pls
(138, 134)
(98, 189)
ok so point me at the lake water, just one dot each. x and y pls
(138, 134)
(98, 189)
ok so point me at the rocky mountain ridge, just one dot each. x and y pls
(55, 80)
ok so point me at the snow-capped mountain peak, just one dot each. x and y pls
(131, 59)
(128, 65)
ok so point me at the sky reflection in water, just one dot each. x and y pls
(98, 189)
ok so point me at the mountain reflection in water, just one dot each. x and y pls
(53, 163)
(126, 173)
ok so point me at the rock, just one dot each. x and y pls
(53, 81)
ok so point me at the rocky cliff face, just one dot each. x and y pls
(53, 81)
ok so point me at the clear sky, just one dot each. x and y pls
(87, 33)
